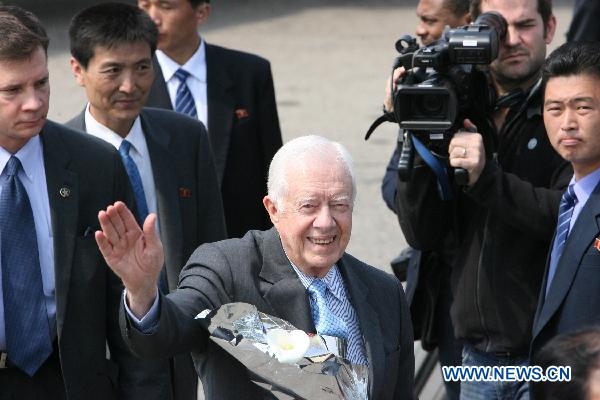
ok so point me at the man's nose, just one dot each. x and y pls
(128, 83)
(33, 101)
(324, 218)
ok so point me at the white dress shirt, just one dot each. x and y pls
(33, 178)
(196, 82)
(138, 152)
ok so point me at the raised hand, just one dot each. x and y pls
(135, 255)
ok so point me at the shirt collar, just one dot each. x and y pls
(30, 155)
(195, 66)
(95, 128)
(585, 186)
(333, 280)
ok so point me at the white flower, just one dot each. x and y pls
(287, 346)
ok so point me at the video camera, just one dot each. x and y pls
(442, 87)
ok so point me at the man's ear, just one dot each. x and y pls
(202, 12)
(78, 71)
(550, 29)
(272, 209)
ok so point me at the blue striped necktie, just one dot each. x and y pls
(28, 342)
(565, 211)
(136, 181)
(326, 322)
(184, 101)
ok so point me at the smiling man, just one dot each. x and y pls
(310, 199)
(167, 155)
(570, 292)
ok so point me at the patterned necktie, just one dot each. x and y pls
(326, 322)
(184, 102)
(136, 181)
(28, 340)
(565, 211)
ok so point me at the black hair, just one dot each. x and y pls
(581, 351)
(573, 58)
(458, 8)
(108, 25)
(544, 8)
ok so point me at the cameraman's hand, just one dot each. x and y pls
(466, 151)
(388, 102)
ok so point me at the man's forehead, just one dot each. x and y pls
(122, 52)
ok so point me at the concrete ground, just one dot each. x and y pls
(330, 60)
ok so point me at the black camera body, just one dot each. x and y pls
(442, 87)
(438, 98)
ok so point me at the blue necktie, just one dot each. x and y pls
(184, 101)
(28, 340)
(136, 181)
(565, 211)
(326, 322)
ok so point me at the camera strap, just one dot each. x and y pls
(444, 188)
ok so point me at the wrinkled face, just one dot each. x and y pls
(117, 81)
(177, 21)
(572, 120)
(314, 219)
(24, 95)
(433, 18)
(523, 51)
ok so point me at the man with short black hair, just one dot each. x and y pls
(58, 300)
(167, 155)
(570, 297)
(231, 92)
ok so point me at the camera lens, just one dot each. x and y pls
(430, 104)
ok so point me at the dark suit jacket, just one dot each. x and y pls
(584, 25)
(255, 270)
(573, 300)
(87, 292)
(181, 159)
(243, 142)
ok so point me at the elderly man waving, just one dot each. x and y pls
(310, 199)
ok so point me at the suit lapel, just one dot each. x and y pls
(577, 244)
(369, 325)
(221, 105)
(165, 180)
(281, 288)
(63, 195)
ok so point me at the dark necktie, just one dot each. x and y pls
(565, 211)
(28, 342)
(136, 181)
(326, 322)
(184, 101)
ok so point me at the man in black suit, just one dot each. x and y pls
(58, 300)
(310, 199)
(231, 92)
(111, 47)
(570, 295)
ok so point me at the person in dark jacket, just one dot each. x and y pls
(503, 220)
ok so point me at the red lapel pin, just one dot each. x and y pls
(597, 244)
(185, 193)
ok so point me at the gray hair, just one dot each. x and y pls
(301, 151)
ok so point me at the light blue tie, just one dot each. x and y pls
(565, 211)
(136, 181)
(28, 342)
(184, 101)
(326, 322)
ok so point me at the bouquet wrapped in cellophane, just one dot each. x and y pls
(288, 362)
